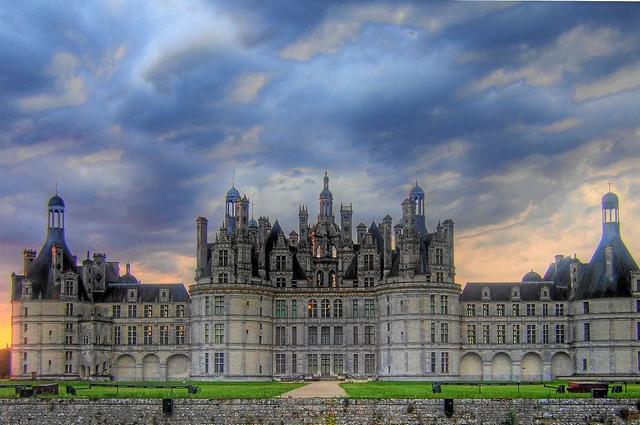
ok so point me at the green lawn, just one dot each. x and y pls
(215, 390)
(396, 389)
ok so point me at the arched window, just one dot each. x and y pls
(325, 309)
(85, 339)
(312, 309)
(337, 308)
(320, 278)
(332, 279)
(334, 252)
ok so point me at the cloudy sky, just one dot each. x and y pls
(515, 117)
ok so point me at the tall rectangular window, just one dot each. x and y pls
(117, 336)
(559, 310)
(368, 262)
(281, 335)
(369, 364)
(223, 258)
(312, 335)
(218, 362)
(586, 328)
(355, 335)
(218, 333)
(281, 263)
(337, 335)
(559, 334)
(164, 310)
(115, 310)
(148, 310)
(501, 334)
(356, 368)
(444, 304)
(369, 308)
(312, 364)
(500, 309)
(354, 309)
(180, 334)
(218, 307)
(325, 335)
(280, 364)
(207, 305)
(180, 310)
(432, 332)
(545, 309)
(294, 363)
(133, 310)
(294, 335)
(206, 362)
(585, 307)
(338, 365)
(68, 309)
(164, 335)
(486, 334)
(432, 304)
(515, 309)
(545, 334)
(132, 335)
(471, 334)
(531, 334)
(444, 362)
(294, 309)
(485, 309)
(432, 362)
(516, 334)
(281, 309)
(148, 334)
(206, 333)
(369, 335)
(444, 332)
(439, 256)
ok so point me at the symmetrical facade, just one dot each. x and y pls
(319, 302)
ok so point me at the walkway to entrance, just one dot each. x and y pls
(322, 389)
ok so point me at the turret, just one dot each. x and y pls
(303, 224)
(201, 247)
(610, 216)
(408, 217)
(346, 214)
(28, 255)
(326, 201)
(242, 213)
(416, 194)
(387, 223)
(230, 209)
(361, 231)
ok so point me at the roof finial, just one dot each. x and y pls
(417, 175)
(56, 188)
(609, 183)
(233, 178)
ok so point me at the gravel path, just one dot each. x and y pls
(322, 389)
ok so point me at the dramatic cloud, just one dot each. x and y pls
(512, 116)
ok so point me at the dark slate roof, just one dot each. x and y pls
(55, 201)
(40, 271)
(594, 282)
(501, 291)
(560, 273)
(298, 273)
(147, 292)
(377, 236)
(531, 277)
(352, 269)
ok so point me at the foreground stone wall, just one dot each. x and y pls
(318, 411)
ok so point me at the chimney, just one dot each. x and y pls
(28, 255)
(201, 247)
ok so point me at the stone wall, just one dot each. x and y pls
(318, 411)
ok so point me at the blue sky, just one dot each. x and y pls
(514, 115)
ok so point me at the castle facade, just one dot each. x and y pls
(320, 303)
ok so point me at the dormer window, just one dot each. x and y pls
(133, 294)
(545, 292)
(515, 293)
(485, 292)
(163, 294)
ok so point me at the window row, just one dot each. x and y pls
(148, 310)
(500, 309)
(531, 335)
(147, 336)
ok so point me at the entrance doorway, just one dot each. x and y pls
(325, 365)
